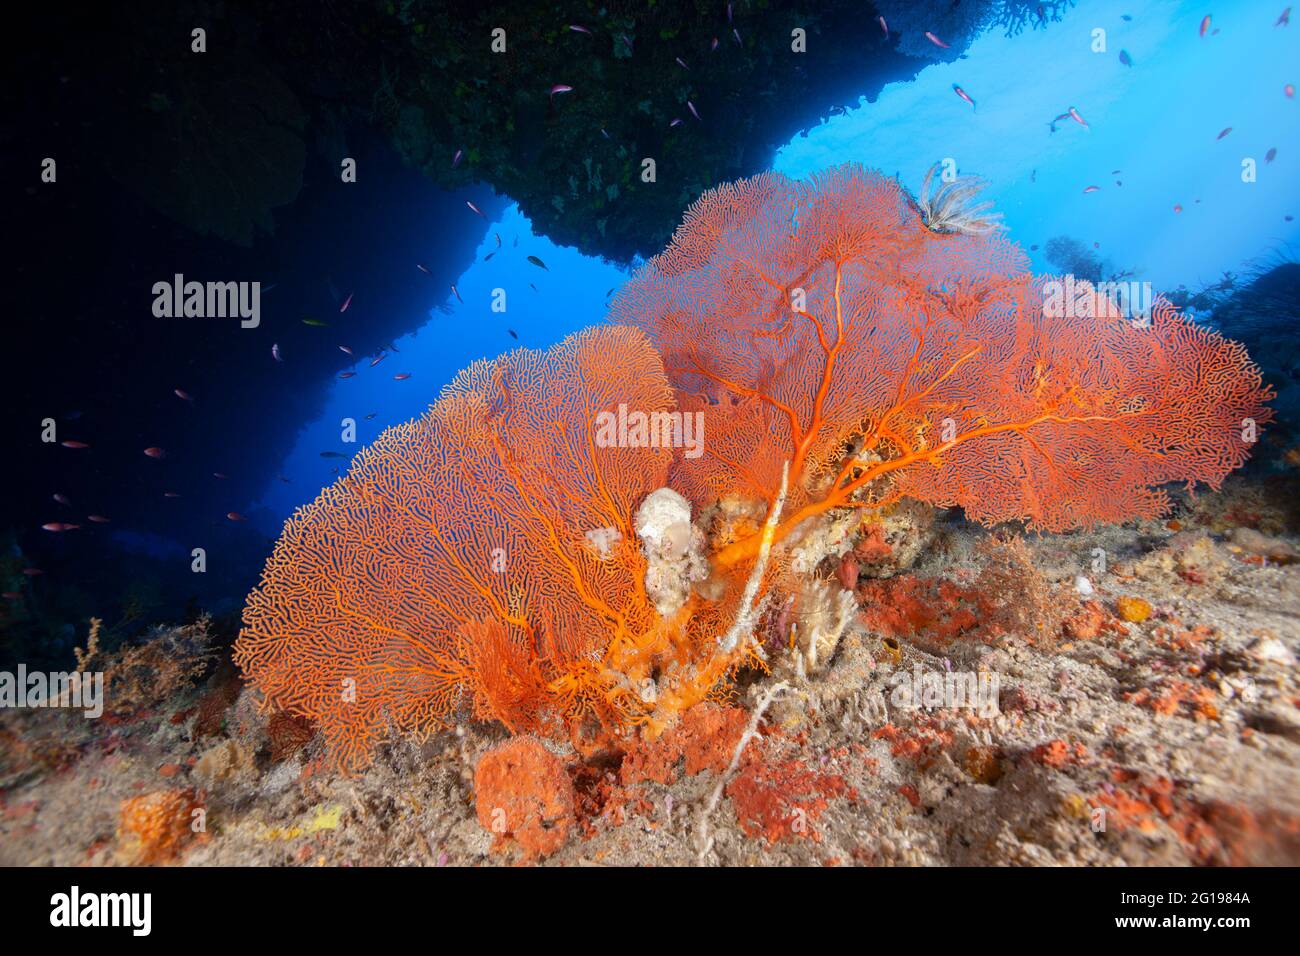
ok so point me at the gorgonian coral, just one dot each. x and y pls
(843, 354)
(823, 323)
(482, 559)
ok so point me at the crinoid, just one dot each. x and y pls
(949, 210)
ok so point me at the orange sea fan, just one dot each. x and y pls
(451, 566)
(823, 323)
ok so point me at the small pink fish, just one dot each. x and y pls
(694, 111)
(11, 595)
(1226, 130)
(401, 376)
(63, 500)
(1205, 24)
(736, 33)
(1289, 90)
(1178, 207)
(378, 358)
(346, 350)
(74, 444)
(713, 45)
(346, 374)
(676, 121)
(963, 94)
(681, 63)
(170, 494)
(475, 209)
(425, 269)
(59, 526)
(560, 88)
(235, 516)
(32, 572)
(456, 293)
(1285, 19)
(1074, 115)
(578, 28)
(221, 475)
(1091, 189)
(1270, 155)
(275, 352)
(183, 395)
(346, 302)
(455, 160)
(155, 452)
(99, 519)
(884, 26)
(935, 40)
(728, 13)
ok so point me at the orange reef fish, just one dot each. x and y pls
(155, 452)
(346, 302)
(1205, 24)
(472, 207)
(1074, 115)
(74, 444)
(560, 88)
(58, 526)
(98, 519)
(935, 40)
(62, 499)
(275, 352)
(963, 94)
(235, 516)
(884, 26)
(182, 394)
(401, 376)
(455, 160)
(1091, 189)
